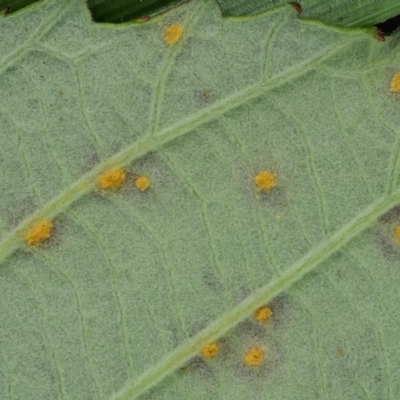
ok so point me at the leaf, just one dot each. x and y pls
(132, 284)
(339, 12)
(107, 10)
(125, 10)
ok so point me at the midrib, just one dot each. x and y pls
(150, 143)
(309, 262)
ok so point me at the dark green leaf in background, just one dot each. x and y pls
(335, 12)
(106, 10)
(126, 10)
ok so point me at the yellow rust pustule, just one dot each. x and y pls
(254, 357)
(210, 350)
(112, 180)
(397, 234)
(395, 83)
(263, 314)
(173, 34)
(266, 180)
(142, 183)
(38, 233)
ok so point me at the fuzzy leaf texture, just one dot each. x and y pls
(132, 284)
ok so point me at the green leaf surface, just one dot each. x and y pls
(131, 285)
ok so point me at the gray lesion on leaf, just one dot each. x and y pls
(260, 375)
(385, 235)
(392, 216)
(91, 162)
(211, 280)
(199, 366)
(204, 97)
(26, 206)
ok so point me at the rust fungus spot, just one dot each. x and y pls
(266, 180)
(397, 234)
(142, 183)
(39, 233)
(173, 34)
(210, 351)
(395, 84)
(263, 314)
(113, 180)
(254, 357)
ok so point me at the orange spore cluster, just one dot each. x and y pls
(397, 234)
(395, 83)
(173, 34)
(263, 314)
(39, 233)
(254, 357)
(112, 180)
(142, 183)
(210, 350)
(266, 180)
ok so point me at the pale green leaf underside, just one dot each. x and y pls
(132, 284)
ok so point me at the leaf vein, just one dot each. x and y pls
(309, 262)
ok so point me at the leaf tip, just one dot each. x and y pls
(266, 180)
(173, 34)
(39, 232)
(142, 183)
(113, 180)
(254, 357)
